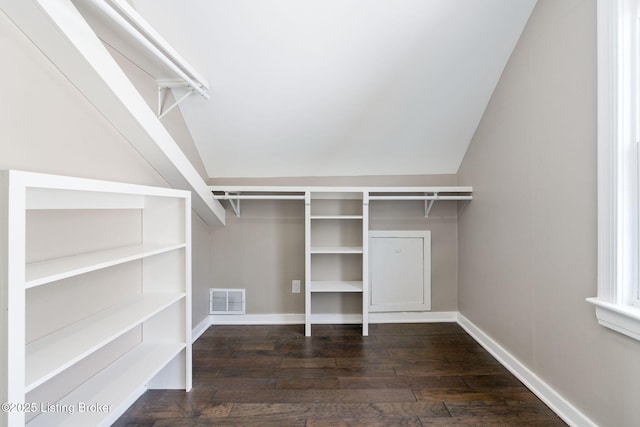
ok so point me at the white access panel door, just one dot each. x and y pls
(400, 271)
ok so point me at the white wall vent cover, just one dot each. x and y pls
(227, 301)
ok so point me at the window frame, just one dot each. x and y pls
(617, 303)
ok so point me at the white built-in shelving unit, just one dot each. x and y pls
(337, 228)
(96, 297)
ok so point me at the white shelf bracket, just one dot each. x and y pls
(235, 205)
(163, 87)
(428, 204)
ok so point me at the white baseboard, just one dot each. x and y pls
(564, 409)
(333, 318)
(414, 317)
(257, 319)
(200, 328)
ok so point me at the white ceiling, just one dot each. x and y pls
(338, 87)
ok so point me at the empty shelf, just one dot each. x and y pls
(39, 273)
(336, 250)
(129, 373)
(335, 286)
(336, 217)
(55, 352)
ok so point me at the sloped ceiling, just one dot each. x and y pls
(338, 87)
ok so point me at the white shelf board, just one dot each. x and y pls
(339, 217)
(55, 352)
(421, 197)
(130, 372)
(335, 286)
(33, 181)
(336, 250)
(340, 189)
(42, 272)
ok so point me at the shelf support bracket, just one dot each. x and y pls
(163, 86)
(234, 205)
(428, 204)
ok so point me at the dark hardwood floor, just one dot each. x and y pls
(401, 374)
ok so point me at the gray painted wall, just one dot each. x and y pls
(527, 242)
(46, 125)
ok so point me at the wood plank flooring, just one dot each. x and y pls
(400, 375)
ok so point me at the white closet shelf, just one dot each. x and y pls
(336, 250)
(338, 217)
(42, 272)
(434, 196)
(337, 191)
(52, 354)
(428, 194)
(335, 286)
(130, 372)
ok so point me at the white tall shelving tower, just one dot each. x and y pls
(95, 290)
(335, 229)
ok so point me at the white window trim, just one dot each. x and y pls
(618, 264)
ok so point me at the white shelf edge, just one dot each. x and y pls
(52, 354)
(420, 198)
(130, 372)
(339, 189)
(335, 286)
(37, 180)
(336, 250)
(337, 217)
(43, 272)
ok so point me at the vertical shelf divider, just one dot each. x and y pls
(365, 263)
(307, 263)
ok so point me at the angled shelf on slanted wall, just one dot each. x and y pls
(65, 37)
(96, 292)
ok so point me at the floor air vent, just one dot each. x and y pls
(226, 301)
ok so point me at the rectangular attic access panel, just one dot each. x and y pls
(400, 271)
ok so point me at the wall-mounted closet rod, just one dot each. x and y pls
(430, 194)
(428, 199)
(129, 20)
(435, 197)
(258, 197)
(234, 199)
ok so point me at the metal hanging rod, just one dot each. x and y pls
(429, 196)
(234, 199)
(258, 197)
(429, 199)
(128, 19)
(432, 197)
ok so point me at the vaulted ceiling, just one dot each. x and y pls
(338, 87)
